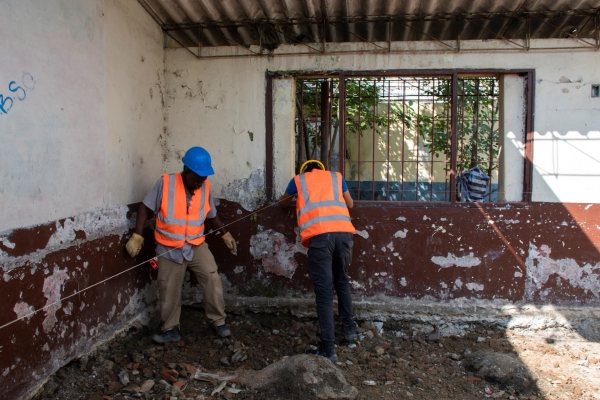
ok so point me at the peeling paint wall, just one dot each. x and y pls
(275, 253)
(81, 120)
(541, 267)
(102, 120)
(441, 253)
(59, 275)
(566, 122)
(249, 193)
(535, 253)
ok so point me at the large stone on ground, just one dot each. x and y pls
(500, 367)
(300, 377)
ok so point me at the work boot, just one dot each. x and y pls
(172, 335)
(348, 332)
(222, 331)
(319, 351)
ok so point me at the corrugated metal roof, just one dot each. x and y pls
(271, 23)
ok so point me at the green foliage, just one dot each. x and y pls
(368, 107)
(365, 109)
(478, 135)
(308, 107)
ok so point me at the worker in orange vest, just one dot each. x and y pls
(182, 202)
(325, 228)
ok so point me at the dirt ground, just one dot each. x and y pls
(385, 364)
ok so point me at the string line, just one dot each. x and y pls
(127, 270)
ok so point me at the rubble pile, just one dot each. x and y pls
(260, 361)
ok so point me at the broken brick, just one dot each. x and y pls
(179, 384)
(169, 375)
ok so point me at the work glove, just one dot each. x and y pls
(134, 245)
(230, 243)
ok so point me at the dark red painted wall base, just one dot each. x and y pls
(540, 253)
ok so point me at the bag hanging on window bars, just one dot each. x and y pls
(476, 182)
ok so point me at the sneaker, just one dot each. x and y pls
(223, 331)
(330, 355)
(172, 335)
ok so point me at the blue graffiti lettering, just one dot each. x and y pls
(20, 91)
(28, 81)
(16, 89)
(3, 101)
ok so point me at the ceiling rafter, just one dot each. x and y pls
(324, 24)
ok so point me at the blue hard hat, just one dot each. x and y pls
(198, 160)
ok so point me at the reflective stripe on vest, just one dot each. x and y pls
(175, 224)
(330, 208)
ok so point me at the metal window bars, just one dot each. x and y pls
(397, 141)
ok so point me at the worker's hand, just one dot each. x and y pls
(230, 242)
(134, 245)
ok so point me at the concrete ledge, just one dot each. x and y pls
(454, 317)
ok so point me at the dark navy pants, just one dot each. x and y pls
(329, 256)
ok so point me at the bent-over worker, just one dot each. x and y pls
(325, 228)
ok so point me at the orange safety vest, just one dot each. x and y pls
(320, 207)
(175, 224)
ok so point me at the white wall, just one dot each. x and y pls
(219, 106)
(134, 70)
(284, 114)
(513, 102)
(53, 141)
(74, 138)
(232, 95)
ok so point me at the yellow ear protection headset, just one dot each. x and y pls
(311, 161)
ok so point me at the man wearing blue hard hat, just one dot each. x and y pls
(182, 202)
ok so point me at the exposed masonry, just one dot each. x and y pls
(89, 225)
(451, 260)
(401, 234)
(249, 193)
(52, 291)
(474, 286)
(364, 234)
(540, 267)
(23, 309)
(275, 253)
(452, 317)
(92, 224)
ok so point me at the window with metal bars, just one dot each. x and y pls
(396, 133)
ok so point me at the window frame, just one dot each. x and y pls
(527, 74)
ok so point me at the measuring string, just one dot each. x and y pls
(126, 270)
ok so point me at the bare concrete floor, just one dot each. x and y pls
(565, 364)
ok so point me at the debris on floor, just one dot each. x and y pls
(261, 361)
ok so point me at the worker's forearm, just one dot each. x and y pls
(216, 222)
(142, 217)
(348, 199)
(285, 200)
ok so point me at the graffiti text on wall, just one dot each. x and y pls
(18, 92)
